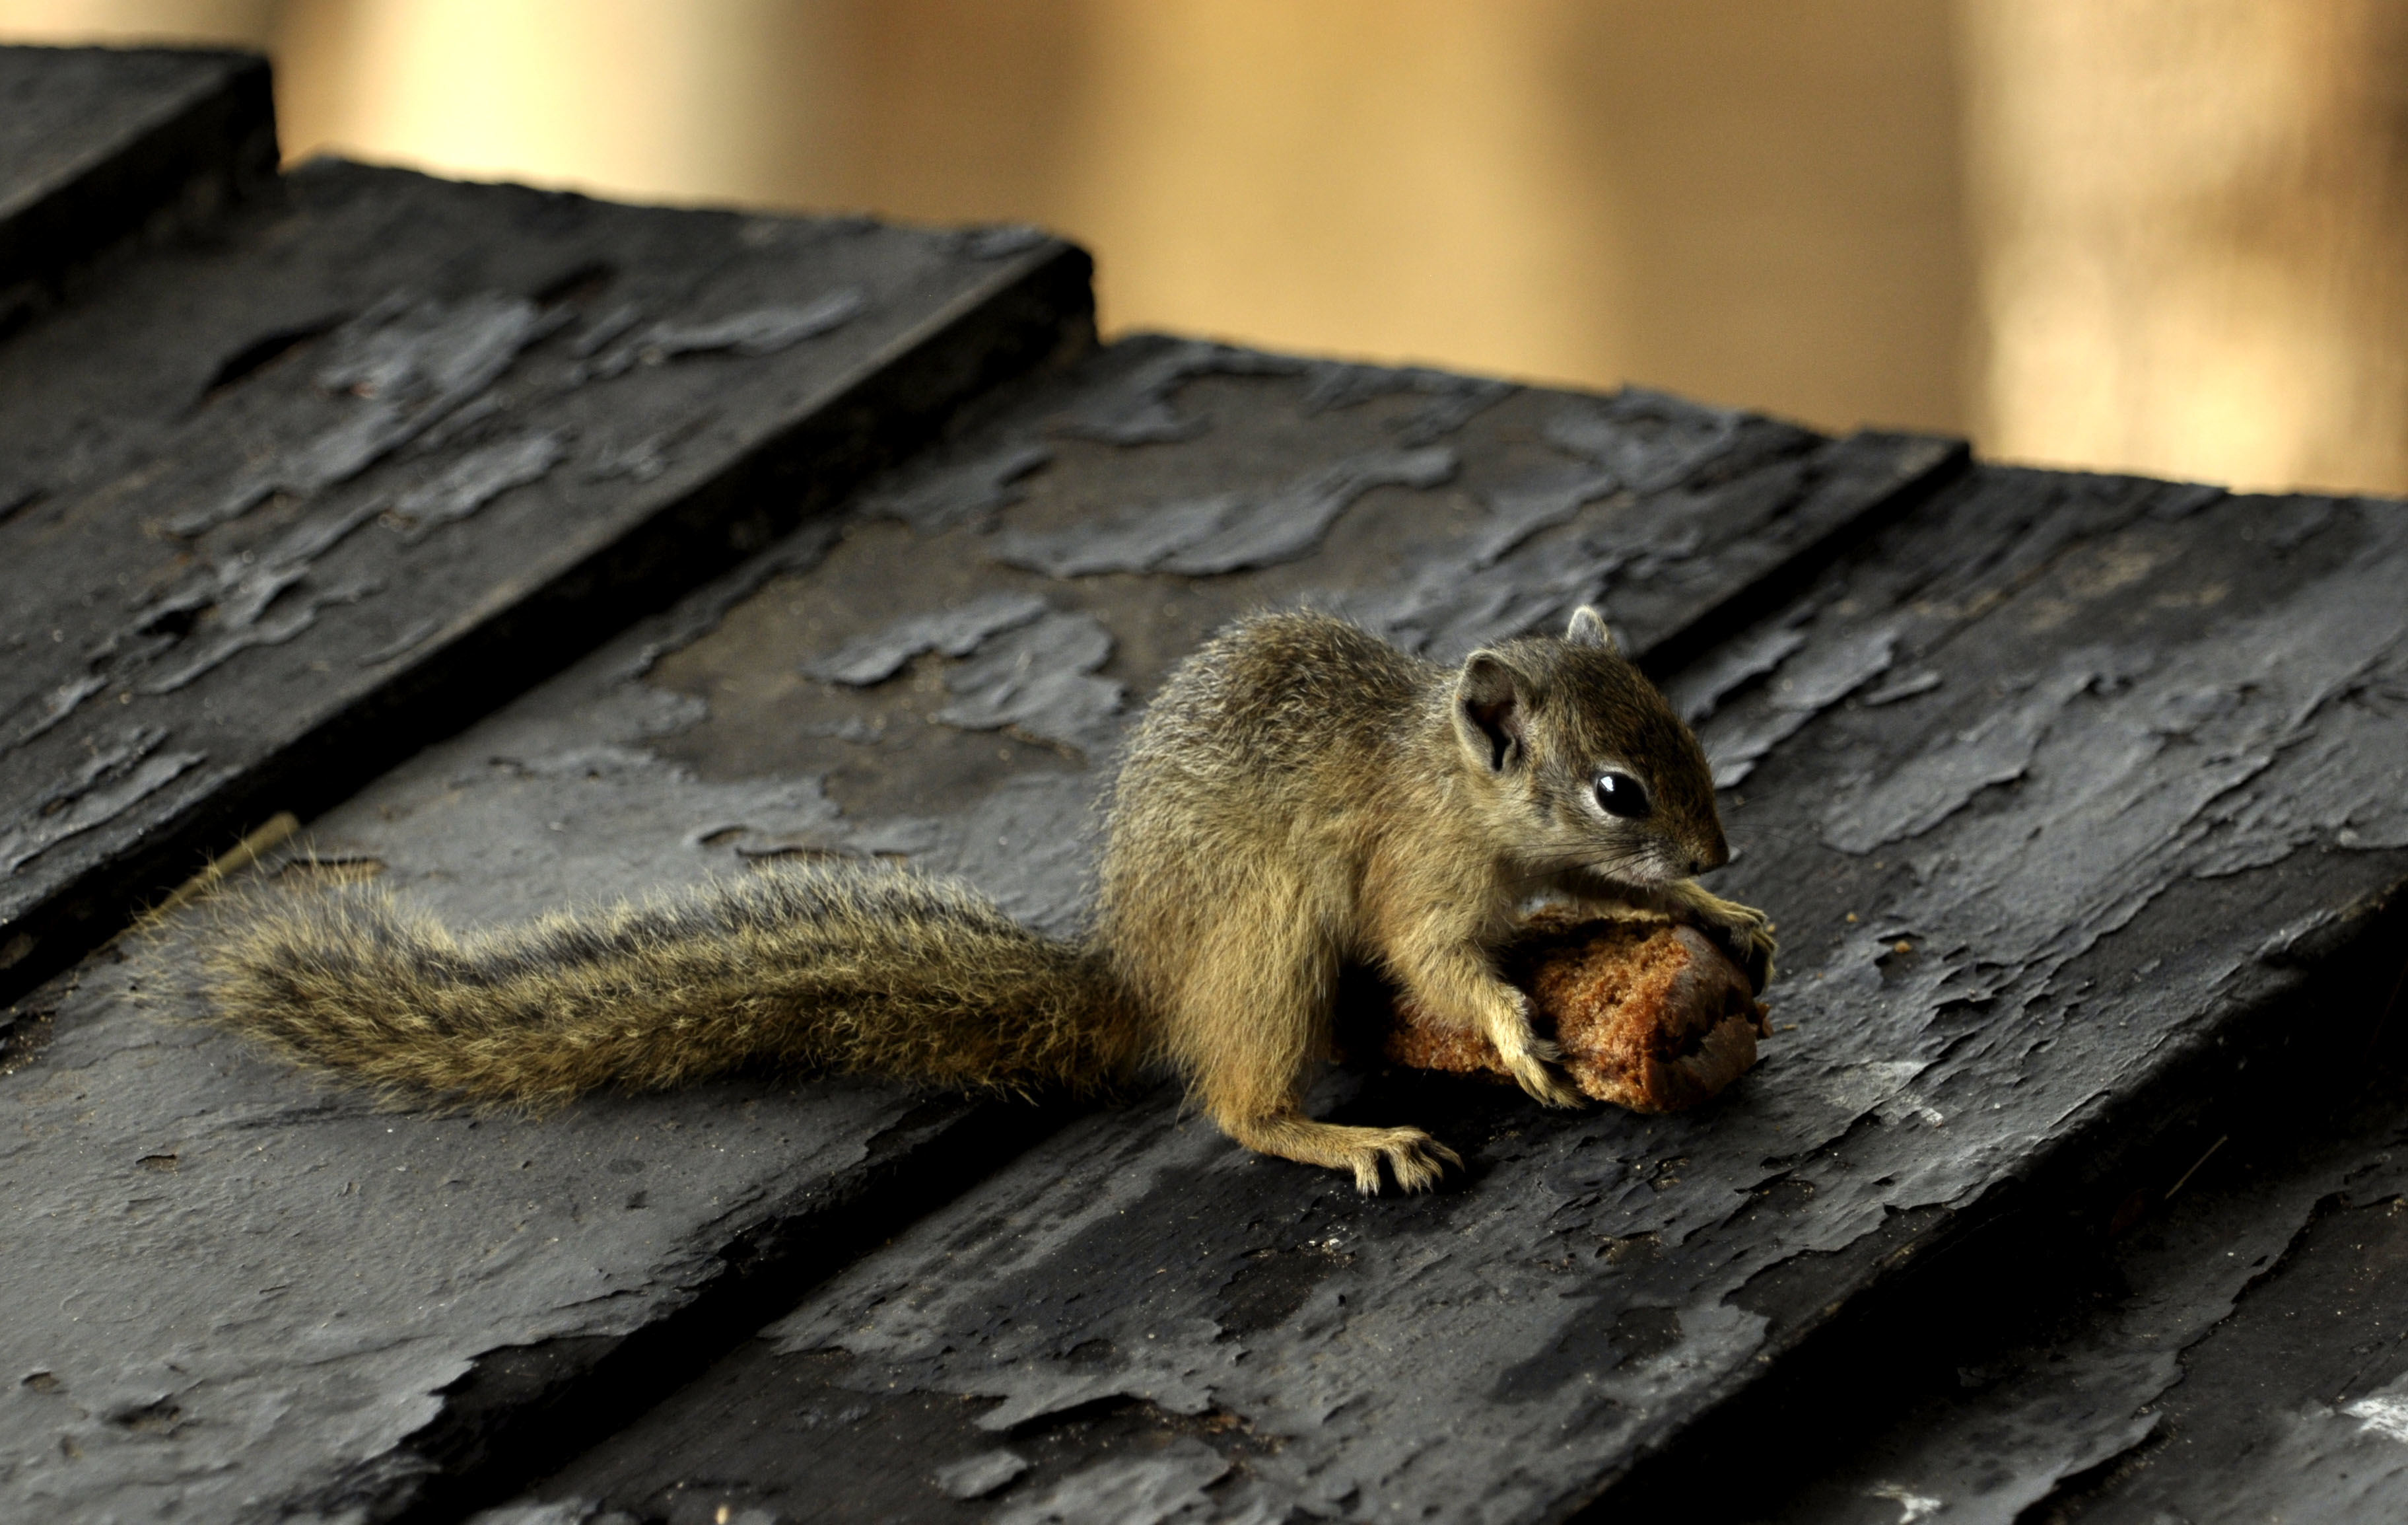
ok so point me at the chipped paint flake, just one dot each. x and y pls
(1912, 1508)
(2381, 1414)
(112, 781)
(958, 631)
(477, 478)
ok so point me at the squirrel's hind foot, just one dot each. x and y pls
(1414, 1160)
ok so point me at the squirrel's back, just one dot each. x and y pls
(1275, 694)
(1280, 720)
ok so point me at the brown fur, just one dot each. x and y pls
(826, 968)
(1300, 796)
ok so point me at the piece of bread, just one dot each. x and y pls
(1650, 1015)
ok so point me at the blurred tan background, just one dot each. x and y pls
(2169, 236)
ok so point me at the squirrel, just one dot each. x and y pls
(1300, 796)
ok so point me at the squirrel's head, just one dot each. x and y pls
(1584, 764)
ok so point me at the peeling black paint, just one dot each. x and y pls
(757, 332)
(1135, 405)
(1228, 532)
(386, 1263)
(117, 777)
(583, 789)
(2035, 1004)
(411, 515)
(961, 493)
(1039, 680)
(958, 631)
(2061, 787)
(2224, 1349)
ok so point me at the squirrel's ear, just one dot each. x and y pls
(1588, 630)
(1491, 704)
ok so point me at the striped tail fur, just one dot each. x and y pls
(826, 968)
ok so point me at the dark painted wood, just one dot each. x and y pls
(291, 504)
(2227, 1344)
(2077, 799)
(503, 1292)
(98, 143)
(2065, 790)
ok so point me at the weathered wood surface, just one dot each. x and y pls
(399, 1311)
(2236, 1353)
(2080, 800)
(97, 143)
(282, 504)
(260, 1294)
(2057, 788)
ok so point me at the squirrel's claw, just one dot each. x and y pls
(1741, 931)
(1528, 1056)
(1414, 1160)
(1753, 946)
(1548, 1086)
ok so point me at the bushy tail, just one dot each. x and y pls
(826, 968)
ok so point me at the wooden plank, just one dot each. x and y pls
(290, 504)
(2058, 788)
(401, 1311)
(95, 143)
(2235, 1348)
(266, 1295)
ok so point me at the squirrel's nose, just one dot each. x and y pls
(1715, 856)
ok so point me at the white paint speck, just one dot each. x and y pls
(1859, 1087)
(1912, 1507)
(2385, 1416)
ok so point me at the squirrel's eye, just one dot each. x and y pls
(1619, 794)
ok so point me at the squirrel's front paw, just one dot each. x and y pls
(1741, 931)
(1527, 1055)
(1544, 1082)
(1746, 934)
